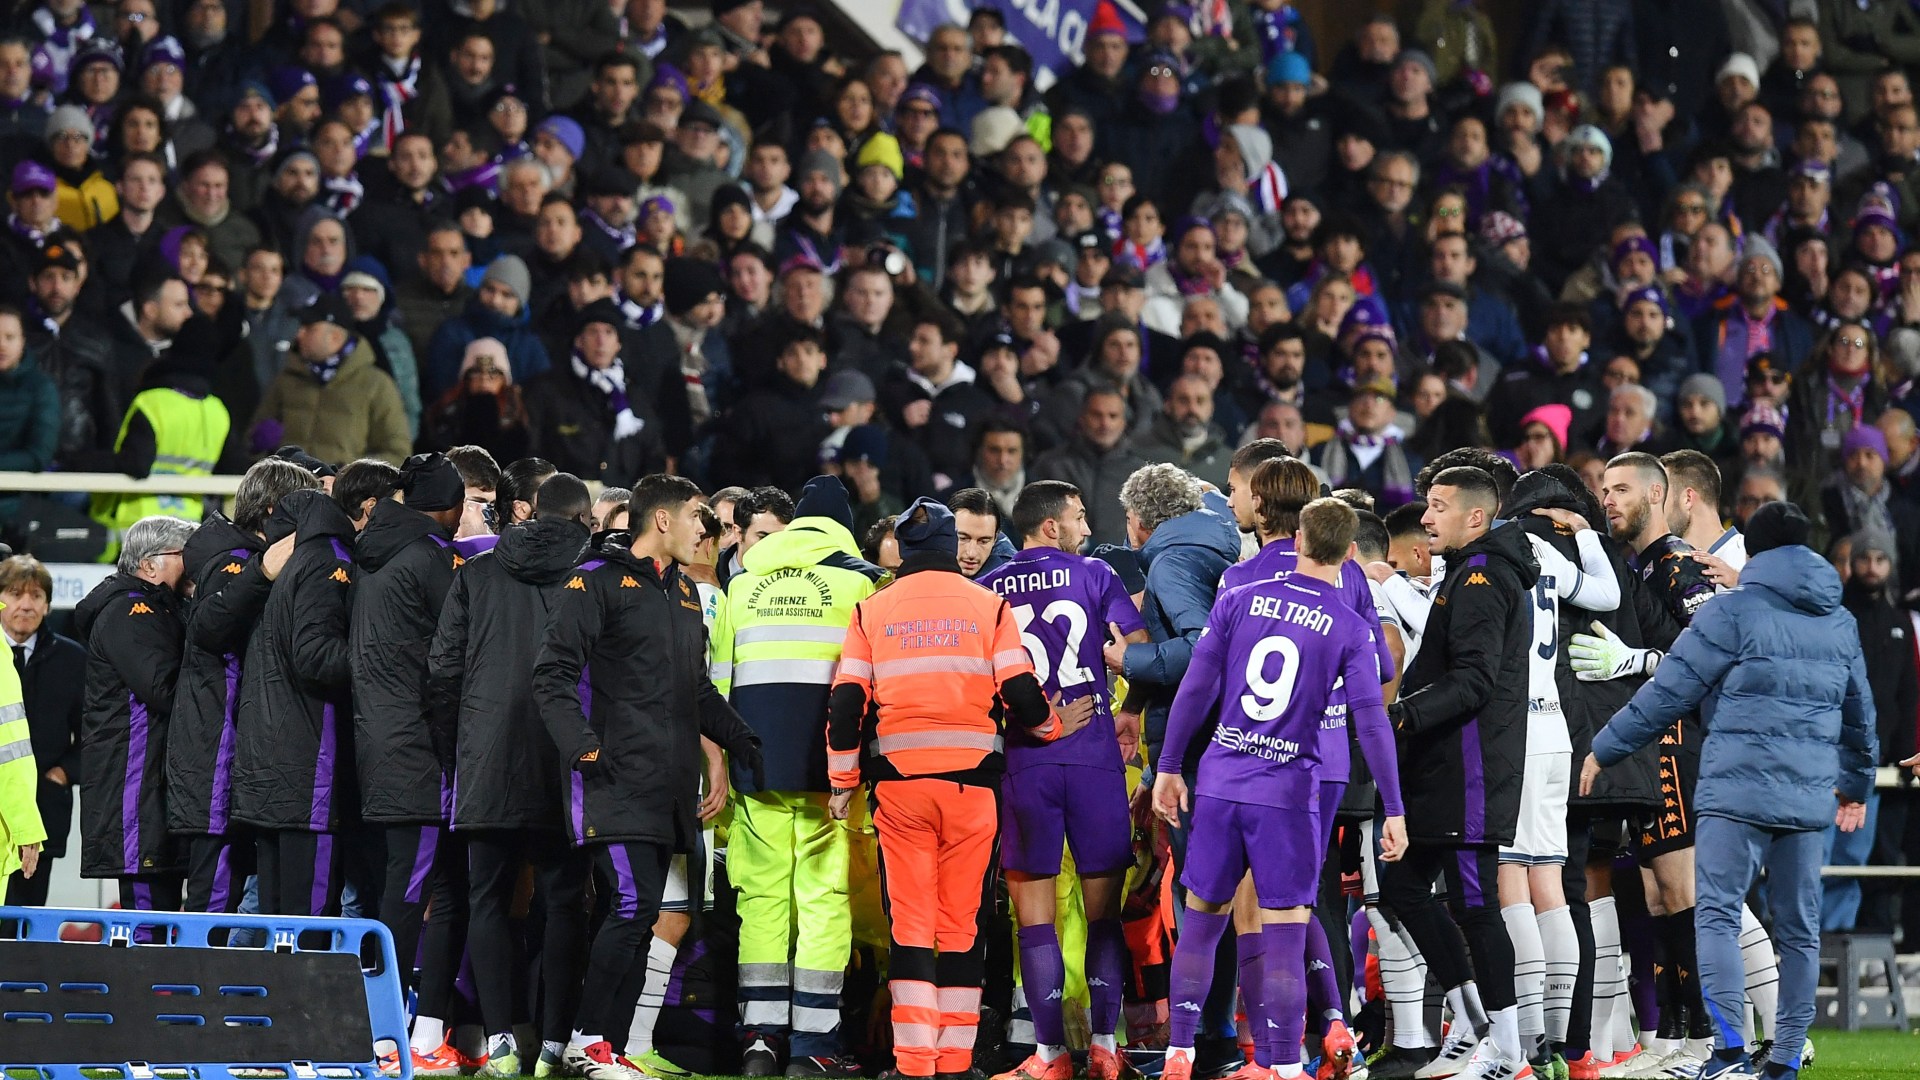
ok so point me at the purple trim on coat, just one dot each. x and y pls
(321, 812)
(220, 807)
(131, 785)
(577, 803)
(1473, 796)
(340, 550)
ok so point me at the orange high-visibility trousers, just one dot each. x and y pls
(936, 853)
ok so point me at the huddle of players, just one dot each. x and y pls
(1470, 691)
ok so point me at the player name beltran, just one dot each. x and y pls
(1274, 607)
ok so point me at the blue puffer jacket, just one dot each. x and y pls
(1183, 560)
(1776, 670)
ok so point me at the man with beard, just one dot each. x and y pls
(944, 196)
(1184, 433)
(609, 104)
(131, 623)
(804, 292)
(208, 196)
(295, 186)
(1646, 333)
(401, 208)
(1276, 376)
(812, 229)
(1635, 496)
(1752, 319)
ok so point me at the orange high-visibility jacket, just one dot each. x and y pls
(929, 658)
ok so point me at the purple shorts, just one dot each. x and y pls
(1281, 846)
(1043, 807)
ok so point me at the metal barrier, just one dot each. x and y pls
(157, 997)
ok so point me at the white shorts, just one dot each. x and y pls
(1540, 837)
(674, 896)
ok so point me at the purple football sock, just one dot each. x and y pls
(1361, 933)
(1107, 960)
(1252, 951)
(1286, 1018)
(1323, 990)
(1191, 974)
(1044, 974)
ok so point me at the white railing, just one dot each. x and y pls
(13, 483)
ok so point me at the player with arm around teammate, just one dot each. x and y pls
(1073, 789)
(1270, 656)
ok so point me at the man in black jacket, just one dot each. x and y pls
(1886, 639)
(507, 798)
(590, 415)
(406, 559)
(772, 436)
(53, 682)
(132, 625)
(1461, 721)
(288, 777)
(200, 739)
(631, 736)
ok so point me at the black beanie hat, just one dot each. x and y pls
(688, 282)
(430, 482)
(936, 536)
(299, 456)
(1776, 525)
(824, 496)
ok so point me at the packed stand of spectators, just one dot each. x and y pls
(589, 238)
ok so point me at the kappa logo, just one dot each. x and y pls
(340, 575)
(458, 562)
(140, 609)
(233, 568)
(1097, 982)
(629, 583)
(1318, 965)
(1056, 996)
(1187, 1006)
(1476, 578)
(577, 583)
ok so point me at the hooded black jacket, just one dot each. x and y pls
(201, 738)
(134, 637)
(1462, 714)
(507, 774)
(644, 719)
(406, 563)
(293, 770)
(1633, 786)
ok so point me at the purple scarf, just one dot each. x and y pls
(325, 370)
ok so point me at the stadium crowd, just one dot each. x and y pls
(624, 408)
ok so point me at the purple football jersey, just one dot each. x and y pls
(1269, 657)
(1063, 604)
(1278, 559)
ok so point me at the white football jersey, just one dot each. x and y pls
(1590, 585)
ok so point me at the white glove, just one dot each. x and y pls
(1606, 657)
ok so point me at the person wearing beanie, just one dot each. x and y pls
(1582, 204)
(498, 310)
(695, 298)
(775, 644)
(1554, 421)
(877, 201)
(331, 396)
(1156, 134)
(583, 414)
(403, 568)
(812, 228)
(85, 197)
(1886, 644)
(933, 680)
(1702, 422)
(1777, 750)
(1859, 496)
(1645, 330)
(365, 287)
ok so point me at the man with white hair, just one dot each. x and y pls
(135, 639)
(1630, 412)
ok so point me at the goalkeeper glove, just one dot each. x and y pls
(1605, 657)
